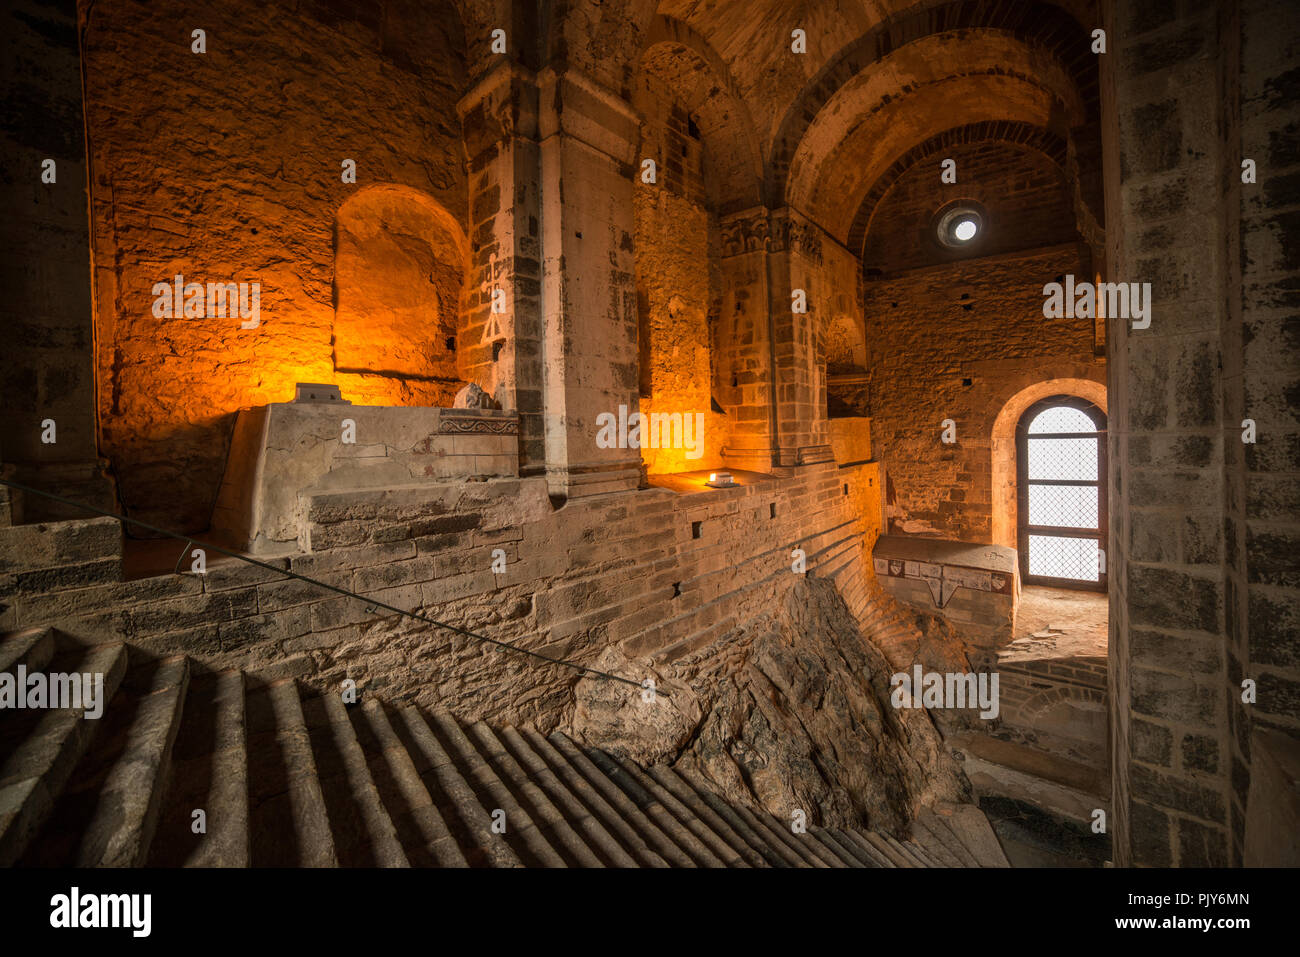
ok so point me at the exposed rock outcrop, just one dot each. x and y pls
(790, 712)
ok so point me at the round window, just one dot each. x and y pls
(959, 226)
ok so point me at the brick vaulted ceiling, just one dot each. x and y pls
(881, 78)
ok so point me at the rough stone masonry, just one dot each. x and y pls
(826, 233)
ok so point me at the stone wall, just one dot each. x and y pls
(676, 277)
(958, 342)
(654, 573)
(226, 166)
(1262, 481)
(49, 431)
(1205, 592)
(1025, 195)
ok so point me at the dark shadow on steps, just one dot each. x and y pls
(191, 778)
(457, 819)
(390, 793)
(64, 837)
(1033, 838)
(273, 837)
(352, 840)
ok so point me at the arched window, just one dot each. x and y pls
(1062, 474)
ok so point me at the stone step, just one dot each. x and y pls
(742, 825)
(685, 848)
(937, 844)
(285, 780)
(571, 803)
(30, 647)
(1048, 781)
(888, 849)
(539, 806)
(866, 849)
(209, 772)
(108, 809)
(833, 844)
(616, 824)
(466, 817)
(632, 812)
(126, 814)
(779, 834)
(37, 765)
(742, 855)
(975, 832)
(289, 824)
(814, 841)
(926, 858)
(941, 827)
(716, 846)
(363, 832)
(421, 829)
(906, 850)
(522, 833)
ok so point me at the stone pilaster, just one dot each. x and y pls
(745, 340)
(48, 433)
(502, 351)
(589, 337)
(794, 263)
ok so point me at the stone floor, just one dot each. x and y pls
(1032, 838)
(1058, 623)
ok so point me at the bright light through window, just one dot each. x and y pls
(960, 226)
(1063, 475)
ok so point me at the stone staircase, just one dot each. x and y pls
(285, 776)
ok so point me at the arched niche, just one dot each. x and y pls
(400, 262)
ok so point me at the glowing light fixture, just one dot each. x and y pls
(720, 480)
(318, 392)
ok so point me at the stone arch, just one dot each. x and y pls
(1051, 30)
(903, 100)
(601, 39)
(1076, 714)
(1003, 445)
(400, 264)
(692, 68)
(1018, 134)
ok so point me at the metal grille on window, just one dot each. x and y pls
(1063, 495)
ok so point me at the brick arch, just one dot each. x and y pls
(892, 105)
(1002, 443)
(1012, 133)
(734, 165)
(1044, 26)
(1032, 710)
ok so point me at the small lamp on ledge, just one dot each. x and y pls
(720, 480)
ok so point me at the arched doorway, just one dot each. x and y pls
(1061, 475)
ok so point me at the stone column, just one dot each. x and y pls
(794, 261)
(745, 341)
(502, 351)
(47, 382)
(589, 339)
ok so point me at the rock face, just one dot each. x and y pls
(790, 712)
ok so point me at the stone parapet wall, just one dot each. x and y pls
(283, 452)
(656, 573)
